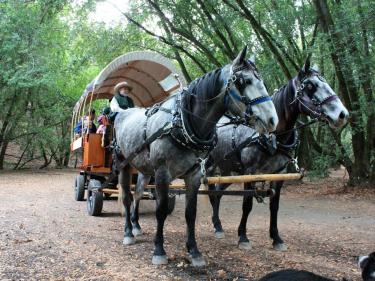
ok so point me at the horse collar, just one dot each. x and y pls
(183, 132)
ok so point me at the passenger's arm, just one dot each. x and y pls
(115, 106)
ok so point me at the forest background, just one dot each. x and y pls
(51, 49)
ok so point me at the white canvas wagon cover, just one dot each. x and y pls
(152, 76)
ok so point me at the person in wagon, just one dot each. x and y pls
(88, 123)
(121, 101)
(102, 126)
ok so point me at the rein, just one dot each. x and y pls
(180, 128)
(183, 107)
(303, 125)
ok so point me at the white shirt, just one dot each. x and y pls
(115, 106)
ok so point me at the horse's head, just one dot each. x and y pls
(246, 95)
(317, 99)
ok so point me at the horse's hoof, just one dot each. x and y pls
(159, 260)
(137, 231)
(244, 245)
(280, 247)
(219, 234)
(128, 241)
(198, 261)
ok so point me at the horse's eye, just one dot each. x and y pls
(310, 89)
(248, 81)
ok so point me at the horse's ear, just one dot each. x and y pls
(305, 69)
(306, 66)
(241, 57)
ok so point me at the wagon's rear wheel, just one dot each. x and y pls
(79, 188)
(94, 198)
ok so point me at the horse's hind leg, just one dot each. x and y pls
(162, 180)
(278, 243)
(142, 182)
(127, 198)
(192, 186)
(247, 206)
(215, 203)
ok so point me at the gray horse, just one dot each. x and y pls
(184, 130)
(239, 151)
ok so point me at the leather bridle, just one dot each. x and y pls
(240, 82)
(310, 103)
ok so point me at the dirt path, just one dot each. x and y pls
(45, 234)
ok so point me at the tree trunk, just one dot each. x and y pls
(227, 50)
(256, 26)
(185, 34)
(304, 153)
(2, 153)
(348, 90)
(172, 43)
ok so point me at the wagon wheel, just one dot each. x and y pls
(94, 198)
(79, 188)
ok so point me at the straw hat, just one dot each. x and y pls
(123, 85)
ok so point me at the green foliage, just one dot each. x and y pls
(49, 52)
(320, 166)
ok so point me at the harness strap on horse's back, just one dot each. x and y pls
(158, 134)
(238, 148)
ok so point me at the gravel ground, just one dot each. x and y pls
(45, 234)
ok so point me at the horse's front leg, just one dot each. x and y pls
(127, 198)
(142, 182)
(192, 186)
(162, 180)
(247, 206)
(215, 203)
(278, 243)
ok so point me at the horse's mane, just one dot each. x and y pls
(283, 97)
(208, 85)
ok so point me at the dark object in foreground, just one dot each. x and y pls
(366, 263)
(293, 275)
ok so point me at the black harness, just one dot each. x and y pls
(183, 133)
(268, 144)
(180, 127)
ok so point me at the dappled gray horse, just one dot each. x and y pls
(186, 128)
(239, 151)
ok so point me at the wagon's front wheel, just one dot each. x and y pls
(94, 198)
(79, 188)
